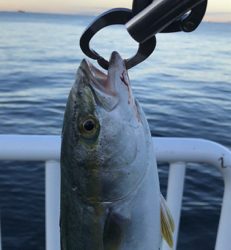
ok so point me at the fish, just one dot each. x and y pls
(110, 194)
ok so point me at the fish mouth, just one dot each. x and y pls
(105, 87)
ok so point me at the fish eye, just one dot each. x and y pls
(89, 126)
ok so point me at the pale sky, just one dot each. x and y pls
(94, 6)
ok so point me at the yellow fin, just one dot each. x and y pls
(167, 223)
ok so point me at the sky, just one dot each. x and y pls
(217, 9)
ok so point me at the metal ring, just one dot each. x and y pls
(114, 16)
(192, 21)
(188, 22)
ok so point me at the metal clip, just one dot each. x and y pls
(114, 16)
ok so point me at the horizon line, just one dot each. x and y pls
(207, 17)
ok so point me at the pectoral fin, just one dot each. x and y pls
(114, 228)
(167, 223)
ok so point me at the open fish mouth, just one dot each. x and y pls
(109, 89)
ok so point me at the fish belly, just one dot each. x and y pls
(129, 224)
(142, 230)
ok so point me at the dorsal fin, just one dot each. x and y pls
(167, 223)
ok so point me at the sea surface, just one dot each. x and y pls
(184, 88)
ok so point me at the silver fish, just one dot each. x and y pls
(110, 196)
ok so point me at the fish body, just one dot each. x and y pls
(110, 196)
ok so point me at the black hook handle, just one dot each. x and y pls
(188, 22)
(164, 16)
(139, 5)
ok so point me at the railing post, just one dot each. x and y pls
(52, 207)
(0, 232)
(174, 197)
(224, 228)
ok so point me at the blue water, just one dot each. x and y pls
(184, 88)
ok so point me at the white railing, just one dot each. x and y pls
(174, 151)
(0, 234)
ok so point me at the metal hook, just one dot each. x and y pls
(114, 16)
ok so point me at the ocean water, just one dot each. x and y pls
(184, 89)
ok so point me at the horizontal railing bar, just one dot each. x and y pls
(30, 147)
(47, 147)
(191, 150)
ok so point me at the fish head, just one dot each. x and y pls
(104, 134)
